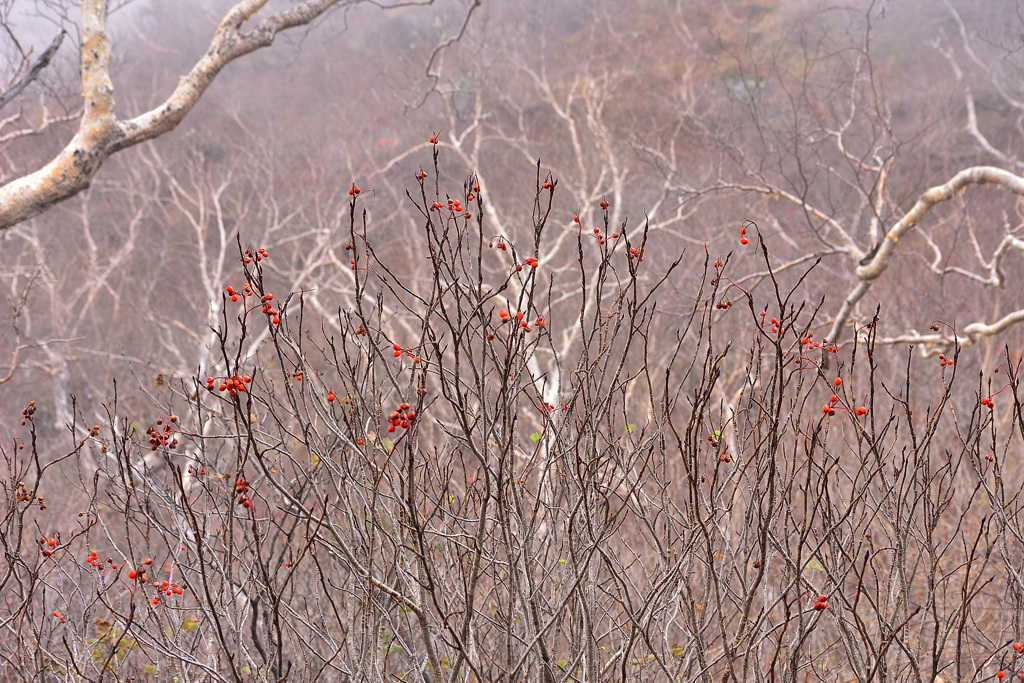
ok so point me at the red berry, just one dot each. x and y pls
(51, 542)
(743, 240)
(838, 381)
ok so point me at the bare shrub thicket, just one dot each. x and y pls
(519, 469)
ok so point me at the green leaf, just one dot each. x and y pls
(190, 624)
(535, 436)
(149, 669)
(388, 444)
(814, 565)
(630, 427)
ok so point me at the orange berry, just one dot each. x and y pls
(838, 381)
(51, 542)
(743, 240)
(132, 574)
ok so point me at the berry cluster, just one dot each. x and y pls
(48, 544)
(943, 361)
(242, 489)
(776, 325)
(454, 207)
(809, 342)
(234, 293)
(828, 408)
(524, 324)
(233, 384)
(988, 402)
(821, 603)
(268, 308)
(140, 572)
(168, 588)
(601, 239)
(258, 254)
(95, 561)
(27, 495)
(397, 350)
(28, 412)
(403, 417)
(530, 262)
(165, 438)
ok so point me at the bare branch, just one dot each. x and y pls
(33, 73)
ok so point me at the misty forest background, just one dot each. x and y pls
(645, 104)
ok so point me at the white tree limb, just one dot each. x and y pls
(101, 133)
(872, 269)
